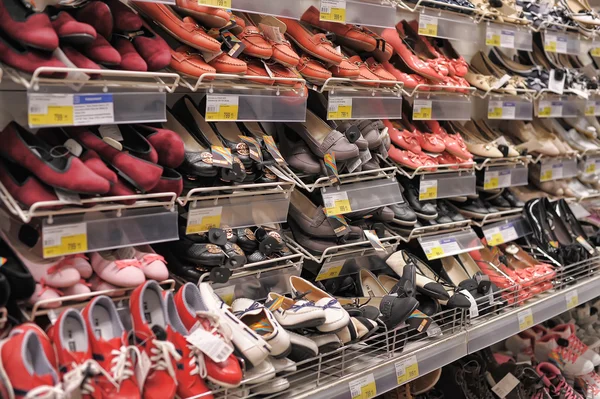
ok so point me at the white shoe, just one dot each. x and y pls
(336, 316)
(251, 347)
(547, 349)
(521, 345)
(591, 384)
(262, 321)
(291, 314)
(260, 373)
(277, 385)
(567, 331)
(283, 365)
(583, 315)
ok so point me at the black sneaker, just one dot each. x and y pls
(531, 383)
(445, 209)
(465, 378)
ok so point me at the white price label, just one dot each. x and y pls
(572, 299)
(422, 109)
(70, 109)
(330, 269)
(333, 11)
(339, 108)
(500, 235)
(336, 203)
(363, 387)
(428, 25)
(428, 189)
(525, 319)
(203, 219)
(502, 109)
(222, 107)
(440, 248)
(498, 37)
(407, 369)
(551, 170)
(211, 345)
(550, 109)
(496, 179)
(505, 386)
(555, 43)
(65, 239)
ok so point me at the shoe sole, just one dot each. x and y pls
(404, 223)
(283, 354)
(473, 215)
(426, 217)
(305, 324)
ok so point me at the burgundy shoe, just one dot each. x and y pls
(130, 59)
(92, 160)
(167, 143)
(68, 173)
(170, 182)
(69, 30)
(121, 189)
(97, 14)
(153, 49)
(80, 60)
(22, 185)
(27, 60)
(27, 27)
(102, 52)
(124, 18)
(135, 164)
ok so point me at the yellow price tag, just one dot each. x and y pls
(493, 40)
(335, 15)
(363, 388)
(497, 239)
(428, 30)
(225, 112)
(68, 245)
(550, 46)
(546, 111)
(342, 112)
(329, 273)
(430, 193)
(547, 175)
(423, 113)
(56, 115)
(407, 371)
(340, 207)
(203, 219)
(495, 112)
(215, 3)
(595, 52)
(491, 184)
(434, 253)
(572, 299)
(525, 319)
(590, 110)
(591, 168)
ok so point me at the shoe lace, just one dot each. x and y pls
(533, 384)
(121, 264)
(46, 287)
(46, 392)
(473, 387)
(162, 352)
(197, 362)
(216, 327)
(563, 388)
(121, 366)
(564, 354)
(577, 345)
(64, 262)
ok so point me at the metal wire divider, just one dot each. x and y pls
(331, 365)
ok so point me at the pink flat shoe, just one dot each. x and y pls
(81, 263)
(114, 269)
(97, 284)
(81, 287)
(43, 292)
(153, 265)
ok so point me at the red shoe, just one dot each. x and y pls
(71, 31)
(124, 18)
(418, 43)
(110, 349)
(153, 49)
(121, 189)
(15, 55)
(23, 186)
(130, 59)
(445, 158)
(68, 173)
(317, 45)
(167, 144)
(190, 370)
(98, 15)
(256, 43)
(24, 367)
(410, 159)
(364, 72)
(102, 52)
(29, 28)
(379, 71)
(69, 335)
(346, 69)
(93, 161)
(80, 60)
(137, 164)
(170, 182)
(227, 374)
(402, 138)
(453, 142)
(410, 80)
(44, 340)
(430, 142)
(410, 59)
(384, 51)
(227, 64)
(149, 326)
(257, 68)
(209, 17)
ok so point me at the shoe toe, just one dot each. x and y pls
(130, 276)
(64, 277)
(344, 150)
(459, 301)
(156, 271)
(435, 290)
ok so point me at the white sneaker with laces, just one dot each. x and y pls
(567, 331)
(563, 355)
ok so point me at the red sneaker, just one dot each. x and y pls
(191, 369)
(226, 374)
(44, 340)
(108, 340)
(25, 371)
(149, 326)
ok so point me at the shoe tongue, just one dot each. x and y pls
(159, 332)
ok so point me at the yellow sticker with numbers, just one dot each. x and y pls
(546, 111)
(203, 219)
(407, 370)
(330, 270)
(422, 113)
(56, 115)
(525, 319)
(434, 253)
(335, 14)
(495, 112)
(547, 175)
(491, 184)
(497, 239)
(430, 193)
(590, 110)
(493, 40)
(595, 52)
(590, 168)
(550, 46)
(222, 107)
(363, 388)
(63, 240)
(428, 29)
(68, 245)
(572, 299)
(342, 112)
(215, 3)
(339, 207)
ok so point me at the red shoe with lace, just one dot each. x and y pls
(402, 138)
(44, 340)
(567, 331)
(69, 335)
(190, 370)
(110, 349)
(555, 382)
(149, 320)
(563, 354)
(188, 300)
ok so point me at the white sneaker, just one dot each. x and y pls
(547, 349)
(262, 321)
(521, 345)
(250, 346)
(283, 365)
(336, 316)
(567, 331)
(260, 373)
(293, 314)
(583, 315)
(591, 385)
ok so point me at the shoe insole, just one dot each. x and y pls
(388, 282)
(370, 285)
(453, 269)
(103, 324)
(230, 131)
(73, 334)
(34, 358)
(468, 264)
(189, 142)
(318, 129)
(152, 308)
(203, 126)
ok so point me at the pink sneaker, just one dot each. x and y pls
(153, 264)
(114, 269)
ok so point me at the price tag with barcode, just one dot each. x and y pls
(407, 369)
(572, 299)
(339, 108)
(428, 189)
(500, 235)
(333, 11)
(64, 239)
(336, 203)
(215, 3)
(422, 109)
(69, 109)
(525, 319)
(330, 269)
(211, 345)
(222, 107)
(363, 387)
(428, 25)
(203, 219)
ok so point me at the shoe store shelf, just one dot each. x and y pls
(98, 231)
(442, 245)
(51, 308)
(554, 168)
(503, 172)
(408, 234)
(495, 217)
(111, 97)
(437, 105)
(348, 100)
(508, 107)
(510, 229)
(445, 185)
(237, 206)
(508, 36)
(441, 23)
(556, 40)
(577, 283)
(552, 105)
